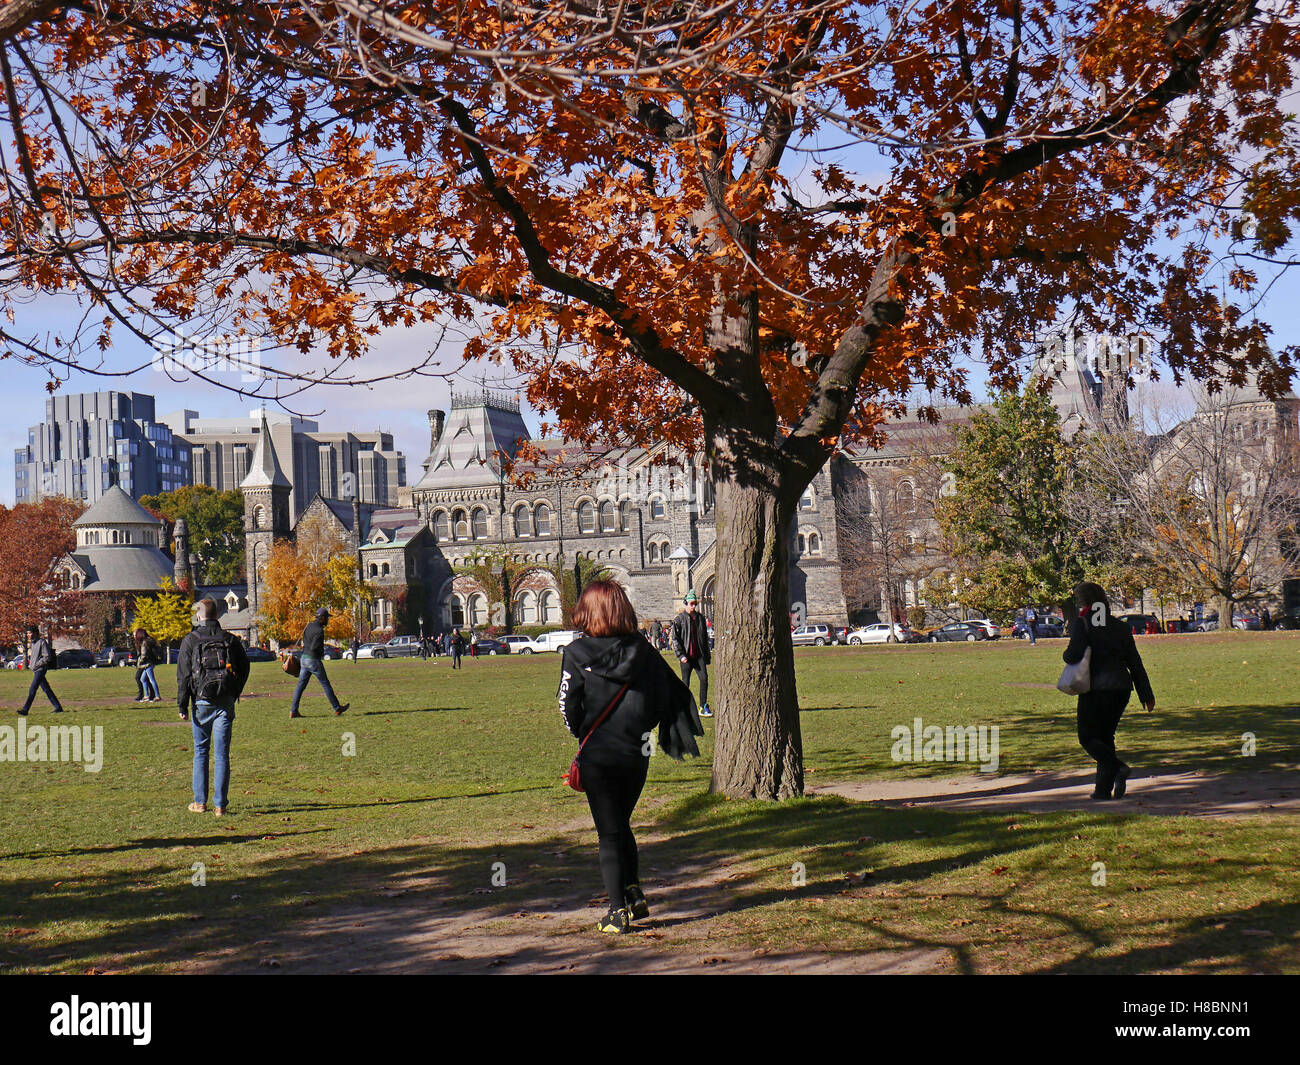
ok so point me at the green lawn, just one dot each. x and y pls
(455, 771)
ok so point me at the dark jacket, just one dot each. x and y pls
(147, 653)
(683, 623)
(593, 670)
(187, 663)
(313, 640)
(1115, 664)
(42, 655)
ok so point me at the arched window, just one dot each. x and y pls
(906, 496)
(480, 524)
(806, 501)
(549, 610)
(477, 610)
(801, 544)
(259, 517)
(586, 517)
(523, 521)
(526, 609)
(607, 517)
(114, 536)
(126, 536)
(814, 544)
(374, 570)
(657, 509)
(457, 612)
(460, 525)
(384, 571)
(441, 526)
(652, 553)
(542, 519)
(625, 515)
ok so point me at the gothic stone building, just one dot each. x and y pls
(650, 526)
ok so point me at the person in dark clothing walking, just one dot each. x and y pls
(1266, 620)
(211, 668)
(147, 655)
(41, 659)
(1115, 668)
(457, 643)
(355, 644)
(690, 643)
(312, 661)
(1031, 624)
(613, 666)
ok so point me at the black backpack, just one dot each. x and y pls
(214, 675)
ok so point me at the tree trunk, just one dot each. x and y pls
(758, 751)
(1224, 606)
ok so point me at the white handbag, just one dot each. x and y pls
(1077, 679)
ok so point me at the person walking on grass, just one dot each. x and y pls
(1031, 625)
(690, 642)
(456, 645)
(615, 690)
(1115, 668)
(312, 661)
(147, 656)
(42, 659)
(212, 669)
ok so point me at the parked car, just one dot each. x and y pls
(1047, 628)
(1248, 622)
(397, 647)
(969, 631)
(816, 635)
(260, 654)
(76, 658)
(110, 656)
(1289, 620)
(521, 645)
(991, 631)
(366, 650)
(1147, 624)
(331, 652)
(19, 661)
(555, 641)
(881, 633)
(486, 645)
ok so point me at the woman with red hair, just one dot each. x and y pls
(615, 690)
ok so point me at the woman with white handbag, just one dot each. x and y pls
(1102, 668)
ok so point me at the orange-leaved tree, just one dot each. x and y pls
(746, 228)
(34, 539)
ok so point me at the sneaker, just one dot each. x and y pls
(294, 713)
(341, 708)
(222, 811)
(705, 711)
(637, 906)
(198, 807)
(616, 922)
(184, 716)
(1121, 781)
(22, 713)
(59, 710)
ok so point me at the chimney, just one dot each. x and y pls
(437, 419)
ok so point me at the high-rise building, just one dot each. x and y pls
(364, 466)
(91, 441)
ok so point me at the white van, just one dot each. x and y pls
(555, 641)
(521, 645)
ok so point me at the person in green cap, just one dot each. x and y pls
(690, 643)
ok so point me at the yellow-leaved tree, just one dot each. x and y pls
(168, 616)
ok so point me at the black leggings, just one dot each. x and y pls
(1099, 714)
(612, 794)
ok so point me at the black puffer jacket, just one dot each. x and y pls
(594, 669)
(1115, 664)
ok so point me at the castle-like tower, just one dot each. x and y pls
(183, 573)
(266, 516)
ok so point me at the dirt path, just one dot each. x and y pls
(1164, 794)
(416, 926)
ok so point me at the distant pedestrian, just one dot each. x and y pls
(312, 664)
(41, 659)
(690, 641)
(614, 692)
(356, 644)
(1115, 668)
(212, 668)
(656, 631)
(1031, 624)
(1266, 619)
(147, 655)
(457, 647)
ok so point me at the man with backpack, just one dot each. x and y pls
(42, 660)
(213, 668)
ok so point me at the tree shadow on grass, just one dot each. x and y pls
(414, 710)
(717, 873)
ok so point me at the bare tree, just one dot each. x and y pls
(1200, 496)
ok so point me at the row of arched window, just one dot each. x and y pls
(530, 608)
(807, 543)
(92, 537)
(536, 520)
(657, 551)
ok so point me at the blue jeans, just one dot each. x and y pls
(212, 724)
(150, 681)
(39, 681)
(313, 667)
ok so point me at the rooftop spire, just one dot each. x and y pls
(264, 471)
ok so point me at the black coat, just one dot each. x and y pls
(187, 665)
(680, 639)
(1115, 664)
(592, 672)
(313, 640)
